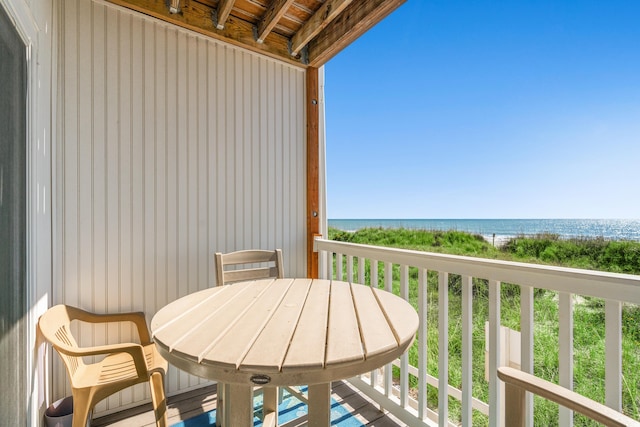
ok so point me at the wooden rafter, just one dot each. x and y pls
(329, 11)
(197, 17)
(354, 21)
(276, 10)
(174, 6)
(324, 31)
(224, 10)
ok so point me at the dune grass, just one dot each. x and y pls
(544, 249)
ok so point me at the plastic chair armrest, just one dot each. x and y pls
(135, 350)
(137, 318)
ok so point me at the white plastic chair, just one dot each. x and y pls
(123, 365)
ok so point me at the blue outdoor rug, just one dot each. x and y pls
(290, 409)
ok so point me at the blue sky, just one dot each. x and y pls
(488, 109)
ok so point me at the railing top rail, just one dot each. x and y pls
(613, 286)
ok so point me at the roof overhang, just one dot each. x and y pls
(301, 32)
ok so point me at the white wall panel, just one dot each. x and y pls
(172, 147)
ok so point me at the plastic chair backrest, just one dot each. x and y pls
(55, 325)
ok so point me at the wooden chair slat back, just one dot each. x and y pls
(250, 258)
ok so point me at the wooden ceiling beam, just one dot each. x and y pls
(197, 17)
(354, 21)
(329, 11)
(223, 12)
(276, 10)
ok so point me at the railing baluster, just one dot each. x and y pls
(338, 273)
(422, 343)
(349, 268)
(373, 273)
(613, 354)
(322, 264)
(443, 348)
(467, 350)
(404, 359)
(361, 262)
(388, 286)
(526, 344)
(388, 277)
(565, 351)
(329, 267)
(495, 401)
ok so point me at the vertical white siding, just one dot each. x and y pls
(172, 147)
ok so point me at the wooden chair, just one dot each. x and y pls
(518, 382)
(248, 257)
(124, 364)
(256, 263)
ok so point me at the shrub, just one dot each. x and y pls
(591, 253)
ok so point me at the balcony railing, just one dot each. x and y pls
(392, 390)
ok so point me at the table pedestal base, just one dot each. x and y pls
(237, 406)
(320, 405)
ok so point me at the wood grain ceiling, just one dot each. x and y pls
(300, 32)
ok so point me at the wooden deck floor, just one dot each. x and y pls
(190, 404)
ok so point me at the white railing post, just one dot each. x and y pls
(373, 273)
(422, 343)
(322, 264)
(330, 266)
(404, 359)
(495, 398)
(613, 354)
(388, 286)
(349, 268)
(443, 349)
(565, 351)
(467, 350)
(526, 344)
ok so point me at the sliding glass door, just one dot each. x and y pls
(13, 221)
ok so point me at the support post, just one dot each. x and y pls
(515, 406)
(313, 168)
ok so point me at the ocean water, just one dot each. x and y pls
(611, 229)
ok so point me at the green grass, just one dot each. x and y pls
(589, 253)
(543, 249)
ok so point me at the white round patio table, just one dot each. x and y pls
(283, 332)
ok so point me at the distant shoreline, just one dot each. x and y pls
(504, 229)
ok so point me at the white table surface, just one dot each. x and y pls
(277, 332)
